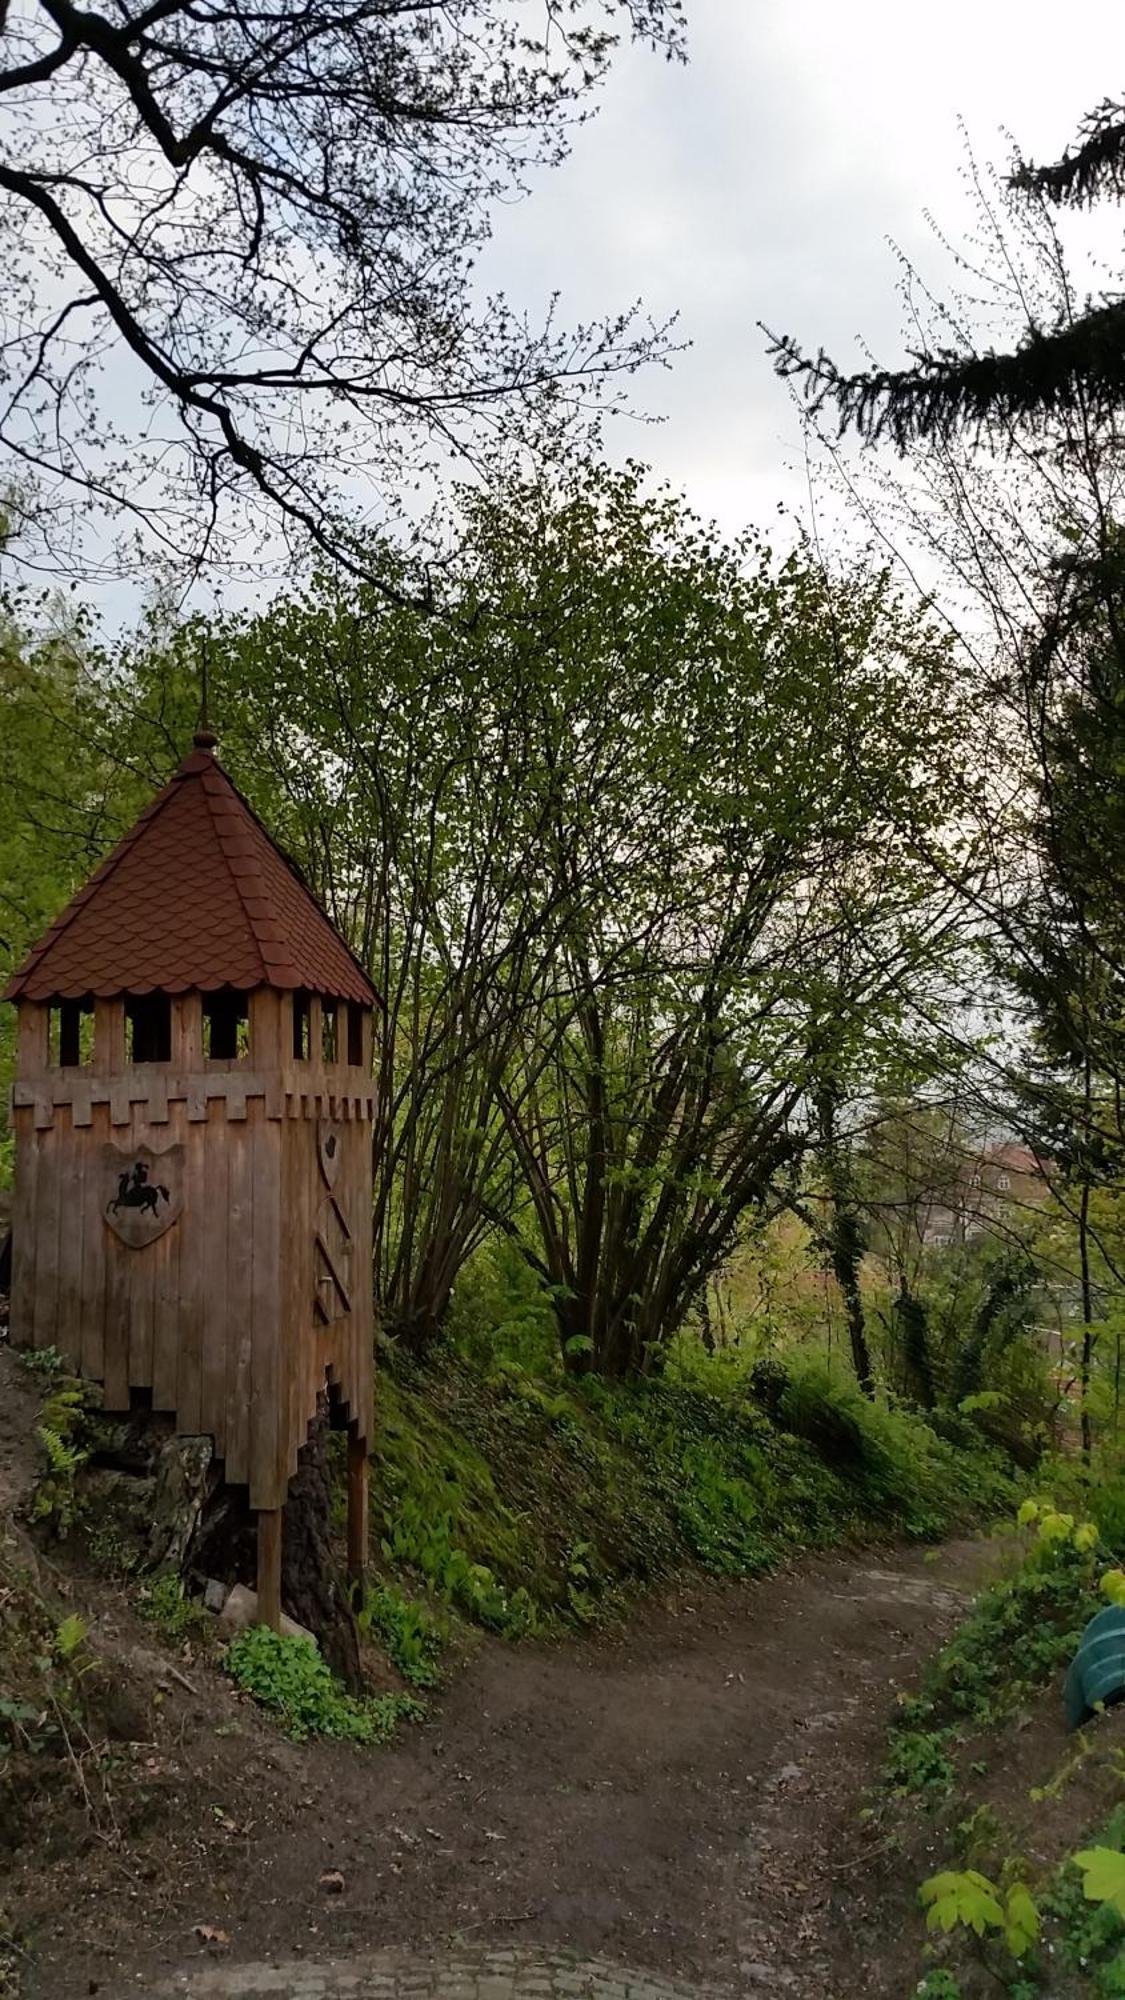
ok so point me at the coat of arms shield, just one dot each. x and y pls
(143, 1192)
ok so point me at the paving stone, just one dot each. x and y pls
(490, 1974)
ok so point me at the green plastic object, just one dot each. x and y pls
(1097, 1671)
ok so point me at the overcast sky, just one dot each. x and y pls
(763, 182)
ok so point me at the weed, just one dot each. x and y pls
(43, 1364)
(165, 1603)
(413, 1637)
(1019, 1634)
(918, 1761)
(60, 1433)
(938, 1985)
(70, 1637)
(969, 1900)
(978, 1835)
(288, 1675)
(1090, 1933)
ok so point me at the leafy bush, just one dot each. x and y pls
(411, 1634)
(896, 1462)
(500, 1312)
(967, 1898)
(1106, 1502)
(288, 1675)
(938, 1985)
(919, 1761)
(165, 1604)
(1090, 1929)
(1021, 1632)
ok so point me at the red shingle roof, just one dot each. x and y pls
(196, 896)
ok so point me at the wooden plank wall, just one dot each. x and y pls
(215, 1318)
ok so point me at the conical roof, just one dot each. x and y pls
(197, 895)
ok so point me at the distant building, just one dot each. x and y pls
(996, 1184)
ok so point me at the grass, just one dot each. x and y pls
(526, 1503)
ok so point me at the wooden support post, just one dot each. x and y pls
(357, 1510)
(270, 1521)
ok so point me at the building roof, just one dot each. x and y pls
(197, 895)
(1015, 1158)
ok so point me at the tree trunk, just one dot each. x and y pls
(847, 1255)
(845, 1238)
(1084, 1248)
(1087, 1316)
(917, 1369)
(312, 1591)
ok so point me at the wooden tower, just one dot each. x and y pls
(192, 1110)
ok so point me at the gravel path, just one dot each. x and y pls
(682, 1797)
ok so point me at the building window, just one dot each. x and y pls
(300, 1027)
(70, 1034)
(226, 1027)
(328, 1036)
(355, 1035)
(1003, 1183)
(148, 1029)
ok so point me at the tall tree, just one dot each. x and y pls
(268, 218)
(1013, 502)
(1072, 364)
(744, 743)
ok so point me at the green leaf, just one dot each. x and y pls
(1021, 1920)
(967, 1898)
(1103, 1870)
(70, 1636)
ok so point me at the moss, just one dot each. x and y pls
(526, 1501)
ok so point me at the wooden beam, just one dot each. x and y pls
(270, 1521)
(109, 1037)
(32, 1053)
(357, 1509)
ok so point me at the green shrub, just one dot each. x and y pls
(413, 1637)
(918, 1761)
(44, 1364)
(1091, 1935)
(500, 1312)
(1020, 1633)
(938, 1985)
(165, 1604)
(1106, 1502)
(894, 1460)
(287, 1674)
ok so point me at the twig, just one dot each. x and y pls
(482, 1923)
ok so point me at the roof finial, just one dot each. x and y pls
(204, 738)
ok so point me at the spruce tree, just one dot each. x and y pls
(1075, 364)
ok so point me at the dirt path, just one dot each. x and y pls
(682, 1797)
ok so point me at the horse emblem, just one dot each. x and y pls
(143, 1194)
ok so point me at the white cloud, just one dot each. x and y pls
(764, 181)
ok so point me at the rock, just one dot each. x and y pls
(215, 1593)
(124, 1717)
(241, 1611)
(183, 1480)
(332, 1882)
(129, 1444)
